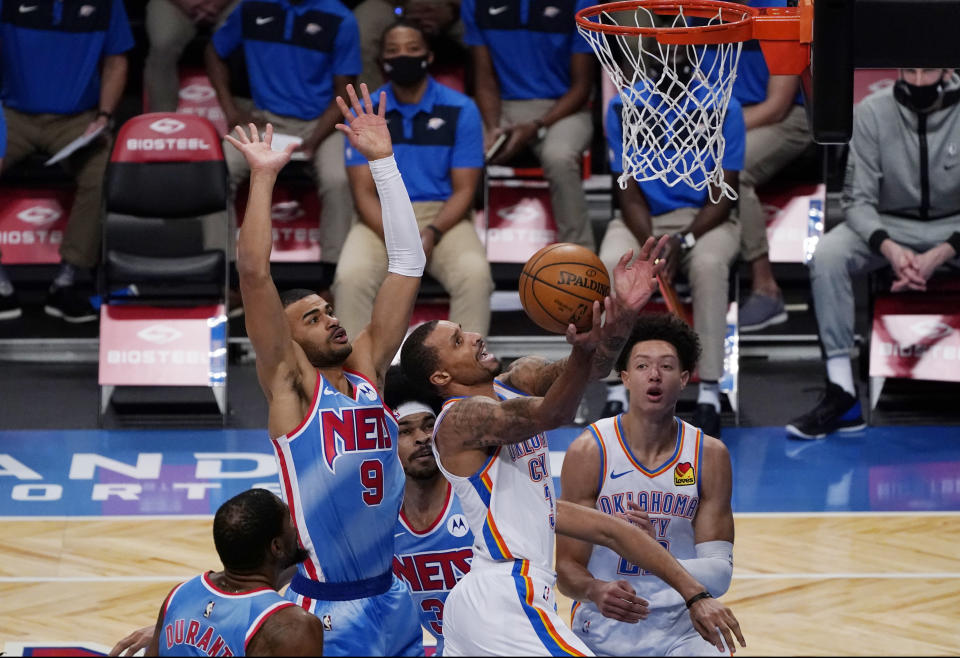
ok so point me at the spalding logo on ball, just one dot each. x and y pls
(559, 284)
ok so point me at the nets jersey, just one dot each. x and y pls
(670, 494)
(432, 561)
(341, 477)
(200, 619)
(509, 503)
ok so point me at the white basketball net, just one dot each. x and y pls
(672, 122)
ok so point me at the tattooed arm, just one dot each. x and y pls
(633, 285)
(473, 426)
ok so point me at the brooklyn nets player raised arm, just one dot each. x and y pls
(335, 441)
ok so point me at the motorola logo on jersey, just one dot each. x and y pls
(457, 525)
(354, 430)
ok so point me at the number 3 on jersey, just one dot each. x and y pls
(371, 477)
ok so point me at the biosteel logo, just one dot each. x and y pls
(159, 334)
(39, 215)
(167, 126)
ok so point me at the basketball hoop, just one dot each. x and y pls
(674, 92)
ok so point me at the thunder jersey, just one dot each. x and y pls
(199, 619)
(670, 494)
(509, 502)
(431, 562)
(341, 477)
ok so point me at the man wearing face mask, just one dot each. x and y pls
(438, 144)
(901, 199)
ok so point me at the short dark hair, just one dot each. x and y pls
(402, 22)
(245, 525)
(397, 390)
(288, 297)
(668, 328)
(418, 361)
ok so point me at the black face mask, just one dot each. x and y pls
(919, 98)
(405, 70)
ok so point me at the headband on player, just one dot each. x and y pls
(410, 408)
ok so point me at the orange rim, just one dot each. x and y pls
(737, 25)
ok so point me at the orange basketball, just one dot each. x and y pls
(559, 284)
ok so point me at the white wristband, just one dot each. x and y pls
(713, 566)
(400, 231)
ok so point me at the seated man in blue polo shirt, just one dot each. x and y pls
(704, 244)
(533, 76)
(64, 69)
(300, 56)
(438, 142)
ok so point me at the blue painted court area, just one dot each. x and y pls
(161, 472)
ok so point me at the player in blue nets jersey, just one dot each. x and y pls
(334, 440)
(665, 475)
(433, 540)
(490, 442)
(237, 611)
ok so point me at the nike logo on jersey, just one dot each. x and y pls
(26, 10)
(496, 11)
(614, 475)
(263, 20)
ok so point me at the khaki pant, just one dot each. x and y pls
(331, 178)
(706, 266)
(169, 31)
(28, 133)
(458, 262)
(769, 149)
(561, 154)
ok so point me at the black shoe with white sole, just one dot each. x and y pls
(837, 411)
(70, 305)
(10, 307)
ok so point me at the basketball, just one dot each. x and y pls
(559, 284)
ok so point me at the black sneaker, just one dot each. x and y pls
(707, 418)
(69, 304)
(10, 307)
(837, 411)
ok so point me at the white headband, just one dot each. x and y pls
(410, 408)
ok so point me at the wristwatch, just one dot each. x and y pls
(541, 128)
(687, 240)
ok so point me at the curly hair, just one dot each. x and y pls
(668, 328)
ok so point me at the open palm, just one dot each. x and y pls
(259, 152)
(367, 130)
(635, 283)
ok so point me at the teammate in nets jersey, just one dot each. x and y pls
(335, 442)
(433, 540)
(238, 611)
(490, 443)
(658, 471)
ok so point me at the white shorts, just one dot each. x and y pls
(664, 633)
(506, 609)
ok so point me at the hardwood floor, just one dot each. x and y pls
(818, 584)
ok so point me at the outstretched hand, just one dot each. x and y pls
(716, 624)
(259, 152)
(635, 283)
(366, 130)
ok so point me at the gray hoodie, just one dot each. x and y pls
(903, 171)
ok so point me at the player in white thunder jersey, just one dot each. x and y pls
(662, 473)
(490, 442)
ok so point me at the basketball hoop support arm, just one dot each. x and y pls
(785, 34)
